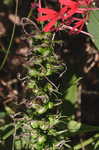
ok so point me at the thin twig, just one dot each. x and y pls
(11, 40)
(51, 83)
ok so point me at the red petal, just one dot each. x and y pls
(44, 18)
(47, 11)
(68, 3)
(78, 25)
(48, 27)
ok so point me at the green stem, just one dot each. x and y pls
(11, 40)
(30, 13)
(86, 142)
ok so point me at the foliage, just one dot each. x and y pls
(93, 26)
(45, 117)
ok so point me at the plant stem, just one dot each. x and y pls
(11, 40)
(86, 142)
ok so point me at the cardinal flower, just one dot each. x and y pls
(85, 2)
(65, 16)
(53, 16)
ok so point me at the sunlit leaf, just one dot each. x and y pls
(93, 27)
(8, 2)
(71, 92)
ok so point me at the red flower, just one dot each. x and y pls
(85, 2)
(53, 16)
(78, 25)
(68, 9)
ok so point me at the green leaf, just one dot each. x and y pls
(71, 92)
(4, 127)
(74, 126)
(93, 27)
(96, 147)
(18, 144)
(9, 110)
(44, 51)
(8, 2)
(77, 128)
